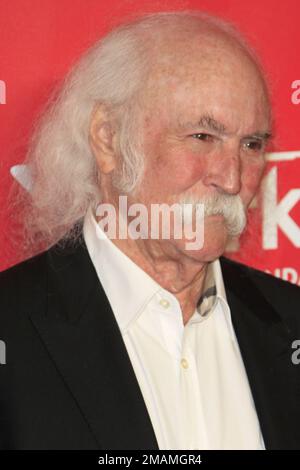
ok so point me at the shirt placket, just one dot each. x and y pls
(193, 422)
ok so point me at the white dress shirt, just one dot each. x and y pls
(192, 376)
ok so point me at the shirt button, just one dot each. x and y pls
(164, 303)
(184, 363)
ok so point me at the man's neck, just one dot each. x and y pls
(172, 270)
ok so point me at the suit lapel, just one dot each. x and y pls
(84, 341)
(265, 344)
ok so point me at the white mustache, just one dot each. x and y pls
(229, 206)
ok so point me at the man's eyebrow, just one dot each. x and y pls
(266, 136)
(208, 122)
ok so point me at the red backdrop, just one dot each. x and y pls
(40, 39)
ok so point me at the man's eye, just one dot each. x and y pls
(254, 145)
(203, 136)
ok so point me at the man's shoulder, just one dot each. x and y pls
(19, 283)
(62, 269)
(33, 268)
(10, 276)
(257, 276)
(282, 295)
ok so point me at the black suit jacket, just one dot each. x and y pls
(68, 382)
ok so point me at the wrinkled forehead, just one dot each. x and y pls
(207, 66)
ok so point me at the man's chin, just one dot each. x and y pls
(212, 246)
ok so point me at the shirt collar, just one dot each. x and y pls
(129, 289)
(213, 292)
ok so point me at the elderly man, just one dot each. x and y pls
(138, 342)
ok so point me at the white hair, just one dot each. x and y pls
(112, 72)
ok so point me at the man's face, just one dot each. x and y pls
(204, 123)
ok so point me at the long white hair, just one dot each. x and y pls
(64, 171)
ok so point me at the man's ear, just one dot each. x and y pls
(101, 136)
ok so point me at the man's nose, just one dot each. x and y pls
(224, 172)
